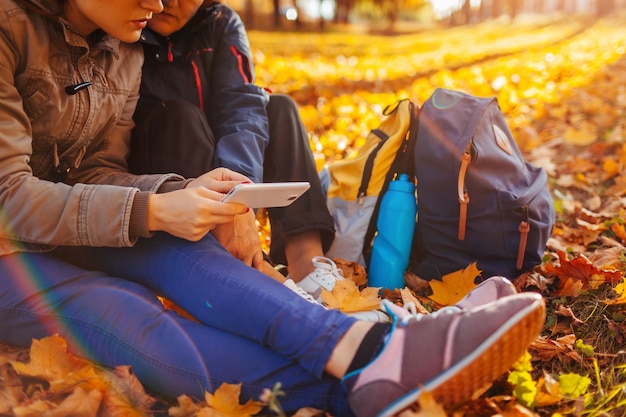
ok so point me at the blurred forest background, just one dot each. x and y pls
(324, 14)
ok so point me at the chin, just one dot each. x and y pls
(129, 37)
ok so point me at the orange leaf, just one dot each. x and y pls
(224, 402)
(619, 231)
(347, 297)
(579, 273)
(569, 288)
(49, 360)
(548, 391)
(186, 407)
(454, 286)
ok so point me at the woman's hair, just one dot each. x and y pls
(55, 8)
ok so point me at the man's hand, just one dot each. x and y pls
(241, 238)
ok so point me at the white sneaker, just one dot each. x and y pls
(294, 287)
(324, 276)
(372, 316)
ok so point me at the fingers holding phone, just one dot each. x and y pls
(266, 195)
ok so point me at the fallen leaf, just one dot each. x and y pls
(579, 273)
(619, 330)
(428, 407)
(619, 231)
(545, 350)
(620, 289)
(37, 408)
(409, 297)
(454, 286)
(345, 296)
(125, 396)
(548, 391)
(78, 404)
(352, 270)
(224, 402)
(11, 392)
(49, 360)
(185, 408)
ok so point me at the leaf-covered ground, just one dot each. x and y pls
(562, 85)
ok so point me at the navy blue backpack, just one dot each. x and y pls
(478, 199)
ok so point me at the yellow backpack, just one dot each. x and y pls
(355, 184)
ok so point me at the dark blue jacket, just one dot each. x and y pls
(208, 62)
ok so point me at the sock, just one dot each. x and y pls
(371, 346)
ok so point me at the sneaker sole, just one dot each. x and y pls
(490, 360)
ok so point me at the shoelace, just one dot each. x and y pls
(409, 312)
(305, 295)
(328, 265)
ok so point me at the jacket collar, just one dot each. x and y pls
(99, 40)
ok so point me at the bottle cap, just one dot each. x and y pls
(402, 184)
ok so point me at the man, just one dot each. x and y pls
(199, 109)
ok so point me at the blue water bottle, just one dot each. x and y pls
(392, 243)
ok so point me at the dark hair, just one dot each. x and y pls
(54, 9)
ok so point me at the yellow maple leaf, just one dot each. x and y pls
(548, 391)
(620, 289)
(49, 360)
(346, 297)
(185, 408)
(224, 402)
(454, 286)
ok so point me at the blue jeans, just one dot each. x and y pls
(251, 328)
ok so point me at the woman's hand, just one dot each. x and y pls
(219, 179)
(190, 213)
(193, 212)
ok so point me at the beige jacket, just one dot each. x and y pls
(84, 136)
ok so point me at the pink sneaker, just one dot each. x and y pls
(491, 289)
(451, 354)
(486, 292)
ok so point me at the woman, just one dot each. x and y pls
(84, 246)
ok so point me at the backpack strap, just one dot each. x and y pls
(524, 229)
(462, 192)
(369, 164)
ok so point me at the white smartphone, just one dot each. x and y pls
(266, 195)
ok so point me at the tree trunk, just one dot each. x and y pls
(276, 4)
(497, 8)
(605, 7)
(467, 12)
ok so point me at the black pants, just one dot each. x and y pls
(174, 136)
